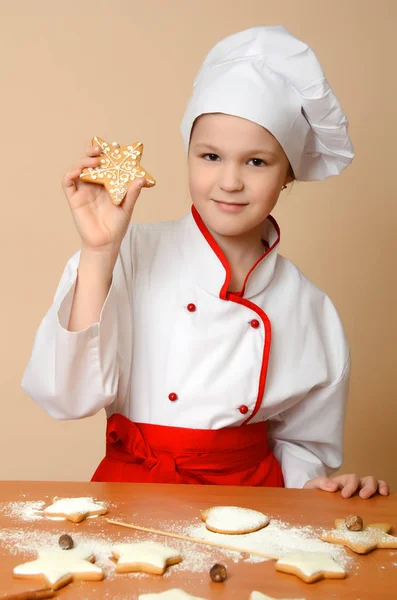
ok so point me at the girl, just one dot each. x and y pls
(216, 360)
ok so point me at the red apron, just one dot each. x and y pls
(142, 453)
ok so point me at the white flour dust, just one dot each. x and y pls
(23, 511)
(275, 540)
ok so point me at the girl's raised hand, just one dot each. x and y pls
(100, 223)
(349, 485)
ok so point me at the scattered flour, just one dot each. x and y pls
(31, 510)
(26, 543)
(23, 511)
(276, 539)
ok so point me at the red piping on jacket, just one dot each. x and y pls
(237, 297)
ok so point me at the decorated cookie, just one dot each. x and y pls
(117, 168)
(174, 594)
(260, 596)
(147, 557)
(233, 519)
(74, 509)
(364, 541)
(310, 566)
(58, 567)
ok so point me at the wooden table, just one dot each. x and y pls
(374, 576)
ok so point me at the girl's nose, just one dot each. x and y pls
(230, 179)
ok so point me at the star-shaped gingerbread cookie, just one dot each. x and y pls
(310, 566)
(369, 538)
(117, 168)
(74, 509)
(260, 596)
(147, 557)
(174, 594)
(59, 567)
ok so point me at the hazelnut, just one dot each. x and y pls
(218, 573)
(66, 542)
(354, 523)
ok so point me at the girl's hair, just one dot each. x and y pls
(290, 173)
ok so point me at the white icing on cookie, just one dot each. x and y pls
(234, 519)
(118, 167)
(151, 554)
(174, 594)
(311, 563)
(74, 507)
(57, 565)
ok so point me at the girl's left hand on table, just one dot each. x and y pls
(349, 485)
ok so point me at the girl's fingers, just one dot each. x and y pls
(69, 182)
(349, 484)
(91, 159)
(93, 151)
(350, 487)
(88, 161)
(134, 189)
(322, 483)
(371, 486)
(330, 485)
(384, 488)
(96, 150)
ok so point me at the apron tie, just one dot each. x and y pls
(140, 452)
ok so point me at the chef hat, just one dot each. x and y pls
(266, 75)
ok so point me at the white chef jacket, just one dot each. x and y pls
(276, 352)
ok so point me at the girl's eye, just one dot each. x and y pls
(212, 158)
(258, 160)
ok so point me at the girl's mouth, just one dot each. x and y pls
(230, 207)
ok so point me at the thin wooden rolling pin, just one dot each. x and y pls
(191, 539)
(30, 595)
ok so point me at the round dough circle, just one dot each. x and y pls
(233, 519)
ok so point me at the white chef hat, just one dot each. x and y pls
(266, 75)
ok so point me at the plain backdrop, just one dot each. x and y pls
(124, 70)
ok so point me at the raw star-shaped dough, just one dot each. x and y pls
(74, 509)
(59, 567)
(310, 566)
(364, 541)
(117, 168)
(147, 557)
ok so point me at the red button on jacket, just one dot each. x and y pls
(191, 307)
(255, 323)
(243, 409)
(172, 397)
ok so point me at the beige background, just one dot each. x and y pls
(123, 70)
